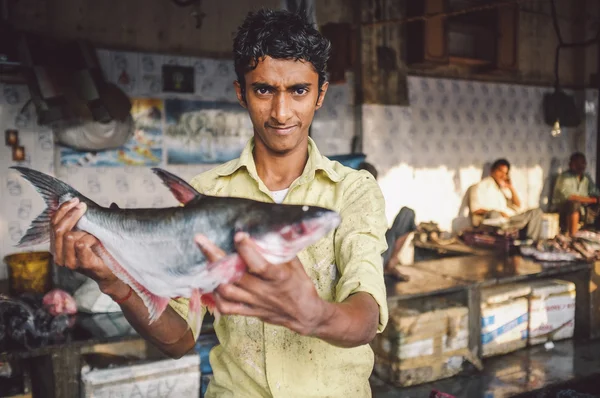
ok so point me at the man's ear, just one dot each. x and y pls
(322, 95)
(239, 92)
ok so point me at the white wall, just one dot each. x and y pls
(430, 153)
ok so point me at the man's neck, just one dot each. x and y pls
(278, 171)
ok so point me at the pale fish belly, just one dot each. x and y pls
(159, 263)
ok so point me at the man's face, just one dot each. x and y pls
(578, 165)
(500, 174)
(281, 97)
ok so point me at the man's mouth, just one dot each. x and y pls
(282, 130)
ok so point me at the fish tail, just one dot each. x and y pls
(54, 192)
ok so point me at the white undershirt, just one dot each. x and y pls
(278, 196)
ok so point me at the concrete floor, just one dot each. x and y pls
(528, 373)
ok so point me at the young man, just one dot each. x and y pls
(297, 329)
(575, 195)
(495, 196)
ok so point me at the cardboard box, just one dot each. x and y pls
(504, 318)
(169, 378)
(550, 225)
(419, 347)
(551, 311)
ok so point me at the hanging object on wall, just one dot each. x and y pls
(179, 79)
(302, 6)
(560, 110)
(142, 132)
(97, 135)
(18, 153)
(11, 139)
(67, 84)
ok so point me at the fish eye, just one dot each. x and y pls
(305, 208)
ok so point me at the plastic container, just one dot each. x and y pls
(29, 272)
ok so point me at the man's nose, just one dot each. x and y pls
(281, 110)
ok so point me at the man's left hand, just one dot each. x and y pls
(280, 294)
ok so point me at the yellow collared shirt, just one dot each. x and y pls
(257, 359)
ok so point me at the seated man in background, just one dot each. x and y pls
(495, 197)
(396, 235)
(575, 195)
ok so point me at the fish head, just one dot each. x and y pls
(281, 231)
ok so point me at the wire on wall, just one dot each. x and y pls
(562, 44)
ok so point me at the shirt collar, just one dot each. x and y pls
(315, 162)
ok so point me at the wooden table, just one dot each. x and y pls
(421, 283)
(457, 248)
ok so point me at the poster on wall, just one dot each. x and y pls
(144, 148)
(200, 132)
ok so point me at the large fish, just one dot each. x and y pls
(153, 250)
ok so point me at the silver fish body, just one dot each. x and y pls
(154, 251)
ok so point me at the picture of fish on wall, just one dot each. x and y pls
(200, 132)
(143, 148)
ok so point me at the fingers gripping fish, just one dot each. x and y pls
(153, 249)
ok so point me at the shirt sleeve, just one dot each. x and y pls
(562, 190)
(592, 188)
(360, 243)
(475, 198)
(181, 307)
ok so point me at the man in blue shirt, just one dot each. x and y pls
(575, 195)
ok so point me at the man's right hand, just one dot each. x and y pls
(74, 249)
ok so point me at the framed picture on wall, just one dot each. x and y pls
(200, 132)
(11, 137)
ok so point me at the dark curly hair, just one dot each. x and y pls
(500, 162)
(280, 34)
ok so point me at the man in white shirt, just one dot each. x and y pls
(495, 197)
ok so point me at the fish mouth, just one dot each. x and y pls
(325, 223)
(277, 249)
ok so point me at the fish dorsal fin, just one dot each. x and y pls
(182, 191)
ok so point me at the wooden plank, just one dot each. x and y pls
(421, 283)
(594, 289)
(491, 269)
(140, 25)
(453, 248)
(383, 76)
(66, 370)
(474, 304)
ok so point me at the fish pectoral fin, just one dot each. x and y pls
(195, 310)
(156, 305)
(182, 191)
(226, 270)
(208, 300)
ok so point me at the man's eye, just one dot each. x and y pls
(300, 91)
(262, 91)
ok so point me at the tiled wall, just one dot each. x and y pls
(428, 154)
